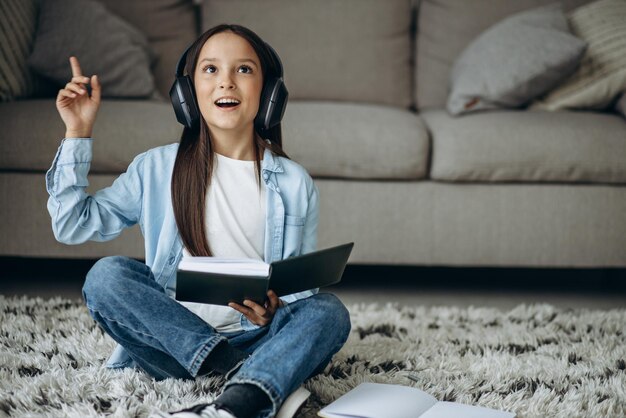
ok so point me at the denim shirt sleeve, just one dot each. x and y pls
(309, 238)
(78, 217)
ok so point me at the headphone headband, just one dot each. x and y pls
(181, 62)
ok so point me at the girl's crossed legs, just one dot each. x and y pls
(167, 340)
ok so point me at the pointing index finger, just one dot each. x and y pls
(76, 71)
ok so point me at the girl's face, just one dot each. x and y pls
(228, 67)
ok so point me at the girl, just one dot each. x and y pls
(228, 190)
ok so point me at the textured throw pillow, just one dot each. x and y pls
(601, 76)
(514, 61)
(104, 44)
(18, 19)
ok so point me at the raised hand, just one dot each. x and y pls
(77, 109)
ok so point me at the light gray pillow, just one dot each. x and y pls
(105, 45)
(514, 61)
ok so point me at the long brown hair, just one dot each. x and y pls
(194, 161)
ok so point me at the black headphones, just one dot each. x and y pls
(271, 106)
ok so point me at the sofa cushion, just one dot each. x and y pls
(601, 76)
(124, 128)
(103, 43)
(532, 146)
(514, 61)
(349, 50)
(446, 27)
(356, 140)
(329, 139)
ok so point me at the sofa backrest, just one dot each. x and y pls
(169, 25)
(446, 27)
(347, 50)
(339, 50)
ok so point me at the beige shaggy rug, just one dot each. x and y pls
(536, 361)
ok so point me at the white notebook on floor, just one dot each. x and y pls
(376, 400)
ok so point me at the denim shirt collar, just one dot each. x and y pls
(270, 163)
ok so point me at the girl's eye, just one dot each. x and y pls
(248, 69)
(210, 67)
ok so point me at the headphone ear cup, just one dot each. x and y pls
(264, 102)
(272, 104)
(184, 102)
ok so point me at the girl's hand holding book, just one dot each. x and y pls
(258, 314)
(77, 109)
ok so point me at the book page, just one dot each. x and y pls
(240, 266)
(376, 400)
(455, 410)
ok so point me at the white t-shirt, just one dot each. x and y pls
(235, 224)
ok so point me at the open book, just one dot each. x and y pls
(376, 400)
(219, 281)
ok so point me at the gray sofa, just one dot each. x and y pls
(399, 176)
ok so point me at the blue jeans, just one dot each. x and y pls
(167, 340)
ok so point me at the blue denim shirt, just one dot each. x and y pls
(142, 195)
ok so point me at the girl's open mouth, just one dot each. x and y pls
(227, 104)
